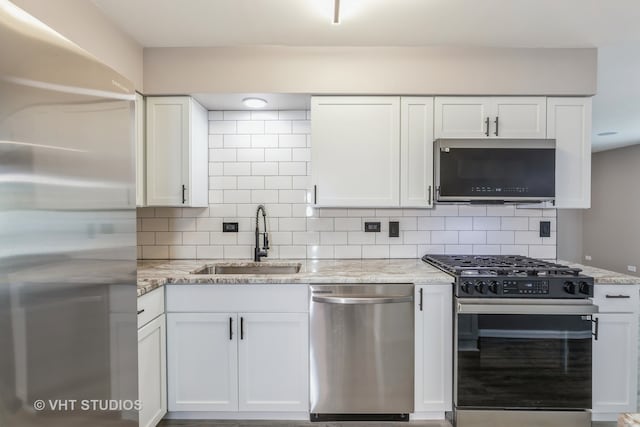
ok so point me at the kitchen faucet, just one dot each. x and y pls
(257, 252)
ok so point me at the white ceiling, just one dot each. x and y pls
(610, 25)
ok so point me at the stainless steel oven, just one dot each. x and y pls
(524, 362)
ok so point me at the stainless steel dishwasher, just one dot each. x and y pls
(361, 354)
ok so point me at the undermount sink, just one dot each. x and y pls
(249, 269)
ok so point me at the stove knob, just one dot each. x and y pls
(570, 287)
(481, 287)
(493, 286)
(584, 288)
(467, 287)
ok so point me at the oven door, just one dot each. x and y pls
(523, 354)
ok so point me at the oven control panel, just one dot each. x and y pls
(524, 287)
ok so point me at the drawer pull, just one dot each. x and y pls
(141, 311)
(618, 296)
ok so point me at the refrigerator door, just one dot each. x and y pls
(67, 233)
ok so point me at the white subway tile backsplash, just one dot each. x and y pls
(195, 238)
(277, 127)
(264, 141)
(250, 126)
(251, 155)
(292, 141)
(377, 251)
(264, 157)
(264, 168)
(348, 252)
(292, 115)
(222, 127)
(264, 115)
(251, 183)
(458, 223)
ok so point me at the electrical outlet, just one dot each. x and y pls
(631, 268)
(587, 257)
(372, 227)
(394, 229)
(230, 227)
(545, 228)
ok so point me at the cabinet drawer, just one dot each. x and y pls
(150, 306)
(616, 298)
(238, 298)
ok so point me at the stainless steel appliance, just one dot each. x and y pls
(67, 215)
(522, 345)
(469, 170)
(362, 352)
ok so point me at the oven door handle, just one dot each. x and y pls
(364, 299)
(530, 307)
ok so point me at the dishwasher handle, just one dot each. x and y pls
(361, 299)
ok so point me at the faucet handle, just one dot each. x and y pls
(266, 241)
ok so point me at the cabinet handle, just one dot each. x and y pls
(420, 305)
(486, 122)
(597, 322)
(429, 201)
(242, 328)
(183, 190)
(141, 311)
(496, 122)
(618, 296)
(230, 328)
(315, 194)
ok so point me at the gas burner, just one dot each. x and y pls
(486, 276)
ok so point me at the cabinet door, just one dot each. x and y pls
(140, 149)
(462, 117)
(152, 371)
(569, 123)
(519, 117)
(274, 362)
(615, 358)
(434, 342)
(167, 150)
(356, 151)
(202, 360)
(416, 152)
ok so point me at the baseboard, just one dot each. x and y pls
(198, 415)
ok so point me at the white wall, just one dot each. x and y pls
(263, 157)
(82, 22)
(371, 70)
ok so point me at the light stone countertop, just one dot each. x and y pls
(629, 420)
(152, 274)
(156, 273)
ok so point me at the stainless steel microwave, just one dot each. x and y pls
(485, 171)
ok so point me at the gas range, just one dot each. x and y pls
(512, 276)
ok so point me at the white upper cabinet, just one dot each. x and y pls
(569, 123)
(356, 151)
(177, 152)
(462, 117)
(416, 152)
(140, 149)
(519, 117)
(490, 117)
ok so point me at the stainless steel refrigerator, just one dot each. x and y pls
(68, 340)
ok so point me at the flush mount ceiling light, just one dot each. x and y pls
(609, 133)
(254, 102)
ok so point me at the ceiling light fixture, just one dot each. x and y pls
(254, 102)
(336, 12)
(609, 133)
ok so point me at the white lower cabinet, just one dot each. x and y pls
(239, 361)
(615, 352)
(273, 362)
(152, 368)
(203, 361)
(433, 349)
